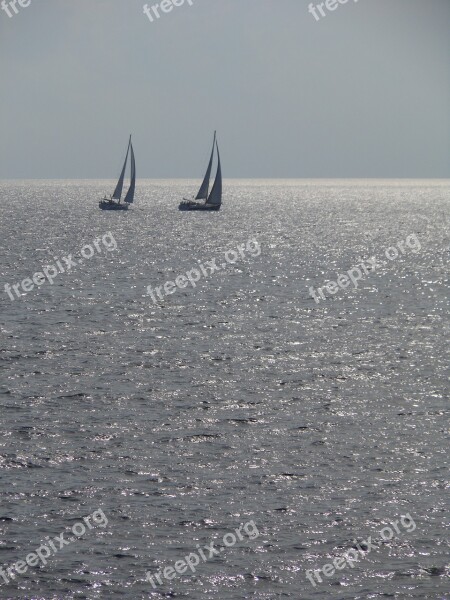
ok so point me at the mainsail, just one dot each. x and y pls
(204, 189)
(118, 191)
(130, 194)
(215, 198)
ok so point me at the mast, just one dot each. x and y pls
(130, 194)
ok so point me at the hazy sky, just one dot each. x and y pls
(363, 92)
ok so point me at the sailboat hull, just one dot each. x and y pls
(107, 205)
(191, 205)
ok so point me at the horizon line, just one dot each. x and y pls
(402, 178)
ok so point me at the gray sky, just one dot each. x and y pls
(363, 92)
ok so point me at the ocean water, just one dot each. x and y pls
(242, 401)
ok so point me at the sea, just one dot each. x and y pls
(271, 424)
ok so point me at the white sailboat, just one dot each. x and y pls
(213, 200)
(113, 202)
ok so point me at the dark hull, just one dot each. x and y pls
(107, 205)
(189, 205)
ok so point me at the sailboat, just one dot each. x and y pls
(213, 199)
(113, 202)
